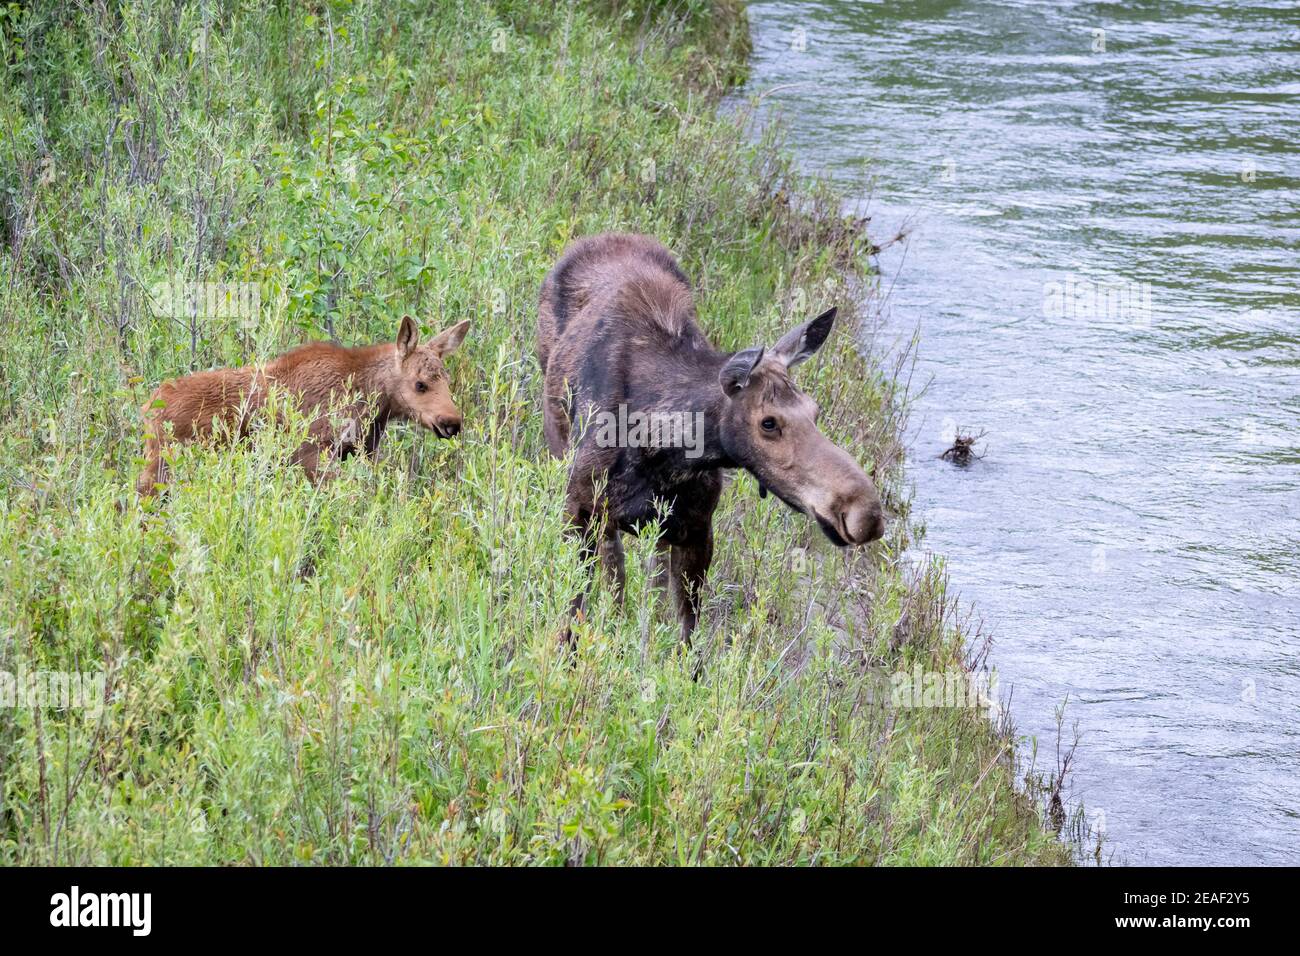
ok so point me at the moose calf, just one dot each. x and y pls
(351, 395)
(617, 340)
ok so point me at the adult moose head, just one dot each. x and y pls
(769, 427)
(618, 341)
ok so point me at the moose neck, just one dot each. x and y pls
(687, 384)
(376, 377)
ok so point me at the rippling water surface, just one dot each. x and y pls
(1104, 266)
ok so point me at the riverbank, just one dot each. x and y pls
(1106, 291)
(368, 672)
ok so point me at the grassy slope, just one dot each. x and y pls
(402, 700)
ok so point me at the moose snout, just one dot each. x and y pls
(845, 502)
(447, 426)
(863, 520)
(852, 519)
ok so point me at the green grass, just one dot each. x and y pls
(367, 672)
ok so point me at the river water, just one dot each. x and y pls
(1104, 267)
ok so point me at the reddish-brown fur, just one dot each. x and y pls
(350, 393)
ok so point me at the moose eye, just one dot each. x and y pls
(769, 424)
(421, 387)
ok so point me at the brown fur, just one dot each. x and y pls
(351, 394)
(616, 326)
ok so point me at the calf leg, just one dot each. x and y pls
(153, 474)
(330, 438)
(313, 458)
(159, 432)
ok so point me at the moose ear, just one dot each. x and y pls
(408, 336)
(803, 340)
(448, 340)
(735, 374)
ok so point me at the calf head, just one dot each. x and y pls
(421, 388)
(769, 427)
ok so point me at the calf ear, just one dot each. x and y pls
(408, 336)
(735, 374)
(803, 340)
(448, 340)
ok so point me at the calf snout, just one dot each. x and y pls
(447, 426)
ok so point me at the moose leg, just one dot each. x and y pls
(606, 544)
(555, 428)
(316, 455)
(154, 473)
(658, 571)
(597, 534)
(330, 439)
(611, 560)
(578, 505)
(556, 407)
(586, 553)
(160, 435)
(688, 565)
(309, 456)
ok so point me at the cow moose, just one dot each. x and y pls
(351, 394)
(617, 338)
